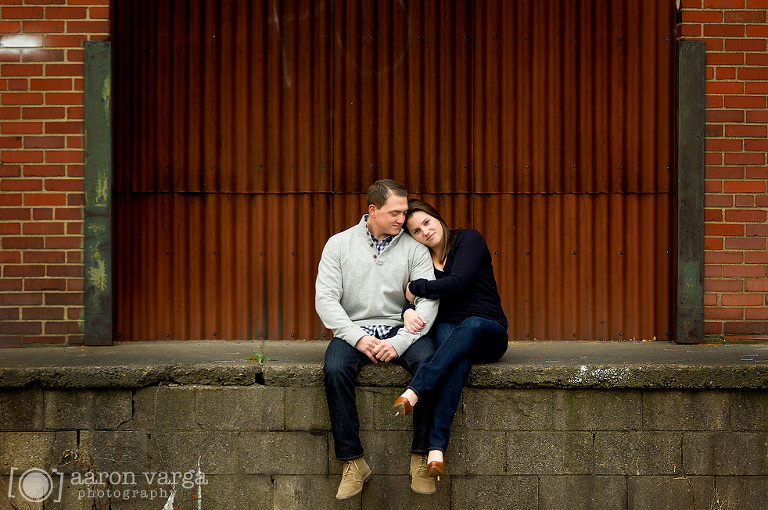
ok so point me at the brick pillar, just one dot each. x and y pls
(41, 166)
(736, 256)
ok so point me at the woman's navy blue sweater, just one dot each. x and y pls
(466, 286)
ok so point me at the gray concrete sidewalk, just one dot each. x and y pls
(299, 363)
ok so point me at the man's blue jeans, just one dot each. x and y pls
(342, 364)
(442, 376)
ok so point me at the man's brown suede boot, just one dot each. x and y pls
(420, 482)
(353, 474)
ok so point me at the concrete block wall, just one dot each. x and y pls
(270, 447)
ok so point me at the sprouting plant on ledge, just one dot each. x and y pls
(260, 358)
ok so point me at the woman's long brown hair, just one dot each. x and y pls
(449, 234)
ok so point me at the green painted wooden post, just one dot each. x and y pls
(98, 194)
(691, 104)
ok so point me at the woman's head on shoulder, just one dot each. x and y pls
(425, 224)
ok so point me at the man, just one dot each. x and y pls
(360, 296)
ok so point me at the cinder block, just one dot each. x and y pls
(240, 408)
(383, 413)
(747, 410)
(580, 492)
(394, 493)
(238, 492)
(597, 410)
(550, 453)
(383, 375)
(21, 410)
(685, 410)
(334, 466)
(113, 451)
(66, 495)
(473, 492)
(484, 453)
(180, 451)
(310, 493)
(725, 453)
(387, 452)
(460, 456)
(87, 409)
(26, 450)
(163, 408)
(306, 409)
(637, 453)
(484, 409)
(282, 453)
(649, 492)
(742, 492)
(366, 404)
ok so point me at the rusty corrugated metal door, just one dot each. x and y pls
(223, 153)
(246, 133)
(573, 164)
(403, 95)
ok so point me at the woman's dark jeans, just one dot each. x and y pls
(342, 364)
(441, 377)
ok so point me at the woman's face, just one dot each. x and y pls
(425, 229)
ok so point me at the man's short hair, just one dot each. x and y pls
(379, 191)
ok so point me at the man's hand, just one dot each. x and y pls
(408, 294)
(366, 345)
(414, 321)
(384, 351)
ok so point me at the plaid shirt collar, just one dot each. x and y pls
(380, 245)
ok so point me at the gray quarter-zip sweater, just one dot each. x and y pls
(355, 286)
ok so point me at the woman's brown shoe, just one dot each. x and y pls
(402, 406)
(436, 469)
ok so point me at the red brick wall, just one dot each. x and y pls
(736, 255)
(41, 166)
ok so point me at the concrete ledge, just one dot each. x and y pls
(567, 365)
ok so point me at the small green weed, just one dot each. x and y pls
(260, 358)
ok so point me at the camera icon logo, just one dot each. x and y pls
(35, 485)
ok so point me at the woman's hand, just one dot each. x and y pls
(408, 294)
(414, 321)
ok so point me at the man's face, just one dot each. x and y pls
(388, 220)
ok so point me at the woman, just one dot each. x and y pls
(471, 326)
